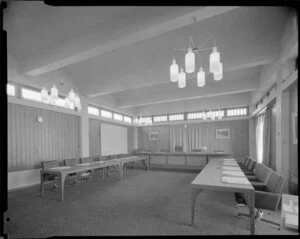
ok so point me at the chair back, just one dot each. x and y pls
(49, 164)
(103, 158)
(247, 161)
(178, 148)
(95, 158)
(115, 156)
(276, 182)
(251, 165)
(70, 162)
(262, 172)
(86, 160)
(196, 150)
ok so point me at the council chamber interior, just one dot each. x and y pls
(151, 120)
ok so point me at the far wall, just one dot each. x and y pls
(199, 134)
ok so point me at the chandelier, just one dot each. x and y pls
(215, 65)
(71, 101)
(143, 121)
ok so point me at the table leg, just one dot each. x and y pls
(194, 194)
(62, 184)
(42, 181)
(121, 171)
(251, 198)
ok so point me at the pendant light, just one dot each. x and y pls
(214, 60)
(44, 95)
(174, 71)
(182, 79)
(71, 96)
(218, 75)
(54, 93)
(201, 78)
(190, 61)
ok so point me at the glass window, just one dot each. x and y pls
(160, 118)
(237, 112)
(93, 111)
(106, 114)
(31, 94)
(127, 119)
(176, 117)
(10, 90)
(118, 117)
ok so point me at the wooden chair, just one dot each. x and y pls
(178, 148)
(111, 169)
(249, 168)
(127, 166)
(260, 176)
(50, 179)
(267, 197)
(79, 177)
(245, 162)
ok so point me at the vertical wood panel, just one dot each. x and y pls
(30, 142)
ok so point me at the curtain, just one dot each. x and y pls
(259, 137)
(266, 159)
(177, 137)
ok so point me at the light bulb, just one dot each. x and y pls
(44, 95)
(218, 75)
(190, 61)
(174, 71)
(71, 96)
(201, 78)
(54, 92)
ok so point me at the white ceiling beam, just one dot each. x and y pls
(160, 94)
(95, 42)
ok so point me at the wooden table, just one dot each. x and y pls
(183, 154)
(210, 178)
(64, 171)
(289, 205)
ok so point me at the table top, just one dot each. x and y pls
(90, 166)
(211, 177)
(184, 154)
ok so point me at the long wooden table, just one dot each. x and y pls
(169, 156)
(210, 178)
(63, 171)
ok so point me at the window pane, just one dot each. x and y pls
(127, 119)
(118, 117)
(31, 94)
(93, 111)
(176, 117)
(106, 114)
(10, 90)
(160, 118)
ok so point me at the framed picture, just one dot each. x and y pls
(153, 135)
(222, 133)
(295, 128)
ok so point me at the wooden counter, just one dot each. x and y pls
(180, 160)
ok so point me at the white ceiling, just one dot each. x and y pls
(124, 53)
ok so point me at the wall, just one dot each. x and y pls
(293, 163)
(273, 136)
(206, 134)
(30, 142)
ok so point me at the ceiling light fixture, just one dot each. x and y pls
(215, 65)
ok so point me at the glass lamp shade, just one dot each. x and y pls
(201, 78)
(54, 92)
(174, 71)
(71, 96)
(44, 95)
(190, 61)
(77, 101)
(218, 75)
(214, 60)
(182, 79)
(52, 101)
(67, 102)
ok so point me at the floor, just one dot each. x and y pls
(144, 203)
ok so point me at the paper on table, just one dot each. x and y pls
(291, 219)
(62, 167)
(287, 208)
(233, 173)
(84, 164)
(231, 168)
(230, 164)
(235, 180)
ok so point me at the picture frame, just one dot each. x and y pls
(222, 133)
(153, 135)
(295, 127)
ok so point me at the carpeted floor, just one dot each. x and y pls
(145, 203)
